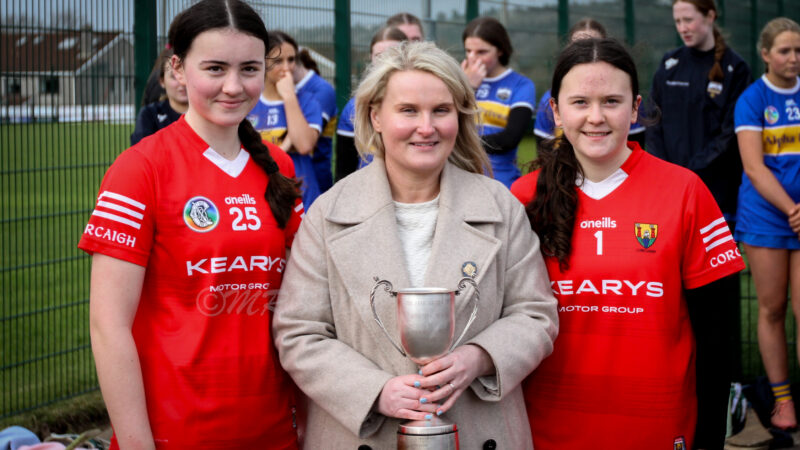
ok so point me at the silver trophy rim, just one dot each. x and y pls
(425, 290)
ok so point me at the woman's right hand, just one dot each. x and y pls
(794, 219)
(475, 71)
(401, 399)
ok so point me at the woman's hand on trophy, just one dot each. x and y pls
(404, 398)
(453, 373)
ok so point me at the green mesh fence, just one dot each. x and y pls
(69, 102)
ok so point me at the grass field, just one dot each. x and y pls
(50, 175)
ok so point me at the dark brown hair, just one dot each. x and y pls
(405, 18)
(587, 24)
(552, 211)
(387, 33)
(492, 31)
(704, 6)
(281, 192)
(305, 59)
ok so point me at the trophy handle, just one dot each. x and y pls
(387, 286)
(462, 284)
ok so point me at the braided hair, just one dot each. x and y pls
(281, 192)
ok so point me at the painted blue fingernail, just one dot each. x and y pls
(439, 412)
(417, 384)
(419, 371)
(428, 416)
(423, 400)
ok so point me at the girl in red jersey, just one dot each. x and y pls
(624, 234)
(189, 239)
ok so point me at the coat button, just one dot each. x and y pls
(364, 447)
(490, 445)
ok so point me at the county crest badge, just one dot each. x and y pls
(646, 234)
(679, 443)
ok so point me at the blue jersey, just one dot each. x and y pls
(321, 91)
(775, 113)
(346, 128)
(546, 125)
(269, 118)
(496, 98)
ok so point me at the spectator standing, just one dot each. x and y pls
(157, 115)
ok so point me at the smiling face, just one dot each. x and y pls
(282, 60)
(223, 72)
(696, 29)
(418, 124)
(783, 59)
(595, 108)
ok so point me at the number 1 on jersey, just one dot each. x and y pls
(599, 237)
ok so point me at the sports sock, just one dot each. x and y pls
(781, 391)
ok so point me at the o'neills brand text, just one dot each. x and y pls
(608, 287)
(244, 199)
(110, 235)
(605, 222)
(224, 264)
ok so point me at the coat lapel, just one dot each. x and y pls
(367, 246)
(465, 210)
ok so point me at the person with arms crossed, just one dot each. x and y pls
(421, 214)
(620, 257)
(189, 239)
(768, 222)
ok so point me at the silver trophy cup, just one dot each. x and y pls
(426, 324)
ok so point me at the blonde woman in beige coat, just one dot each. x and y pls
(419, 215)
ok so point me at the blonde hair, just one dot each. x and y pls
(468, 154)
(773, 28)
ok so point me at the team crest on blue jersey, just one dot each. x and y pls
(504, 93)
(679, 443)
(253, 119)
(201, 214)
(771, 114)
(646, 234)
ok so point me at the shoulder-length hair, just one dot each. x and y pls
(468, 153)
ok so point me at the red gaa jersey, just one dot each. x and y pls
(214, 259)
(622, 372)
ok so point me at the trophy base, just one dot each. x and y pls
(434, 434)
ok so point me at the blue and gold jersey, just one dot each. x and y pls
(496, 98)
(324, 94)
(775, 113)
(269, 119)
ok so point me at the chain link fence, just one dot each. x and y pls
(71, 77)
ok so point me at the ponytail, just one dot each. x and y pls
(307, 61)
(552, 212)
(281, 191)
(716, 73)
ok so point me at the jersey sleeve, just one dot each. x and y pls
(748, 114)
(311, 111)
(345, 126)
(122, 223)
(524, 188)
(545, 124)
(710, 251)
(524, 95)
(286, 167)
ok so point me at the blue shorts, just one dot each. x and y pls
(768, 241)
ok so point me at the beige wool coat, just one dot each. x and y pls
(339, 357)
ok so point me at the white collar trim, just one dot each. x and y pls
(233, 167)
(501, 76)
(600, 189)
(785, 91)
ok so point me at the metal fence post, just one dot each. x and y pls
(563, 20)
(145, 35)
(341, 51)
(472, 9)
(751, 49)
(630, 23)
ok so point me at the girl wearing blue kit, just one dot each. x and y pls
(286, 118)
(505, 98)
(768, 217)
(306, 75)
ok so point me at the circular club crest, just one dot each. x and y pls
(200, 214)
(771, 114)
